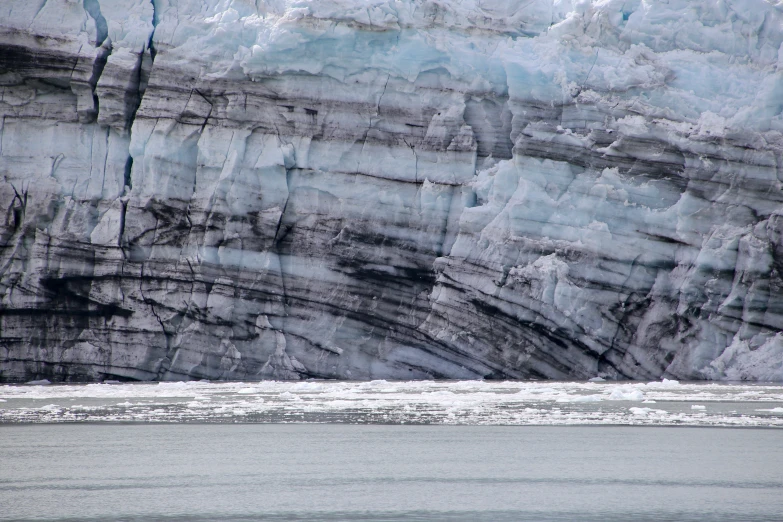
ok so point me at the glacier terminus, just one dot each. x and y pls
(391, 189)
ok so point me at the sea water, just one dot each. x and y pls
(319, 450)
(388, 472)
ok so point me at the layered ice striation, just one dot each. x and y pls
(397, 189)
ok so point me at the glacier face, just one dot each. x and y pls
(236, 189)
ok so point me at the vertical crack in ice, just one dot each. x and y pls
(37, 12)
(120, 237)
(155, 21)
(587, 77)
(380, 98)
(189, 301)
(133, 98)
(56, 163)
(105, 161)
(15, 212)
(623, 307)
(93, 8)
(415, 159)
(18, 211)
(140, 90)
(278, 240)
(163, 368)
(126, 178)
(209, 113)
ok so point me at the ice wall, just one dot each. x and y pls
(229, 189)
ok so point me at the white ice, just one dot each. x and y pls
(440, 402)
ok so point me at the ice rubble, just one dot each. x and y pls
(399, 402)
(229, 189)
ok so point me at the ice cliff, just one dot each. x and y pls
(239, 189)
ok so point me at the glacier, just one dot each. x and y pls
(391, 189)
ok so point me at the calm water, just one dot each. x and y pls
(387, 472)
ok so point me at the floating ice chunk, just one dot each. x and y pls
(698, 407)
(40, 382)
(646, 411)
(666, 383)
(581, 398)
(469, 385)
(375, 385)
(537, 391)
(413, 402)
(596, 379)
(307, 387)
(247, 391)
(626, 393)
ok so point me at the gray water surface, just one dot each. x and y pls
(388, 472)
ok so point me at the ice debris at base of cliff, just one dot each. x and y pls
(402, 402)
(391, 189)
